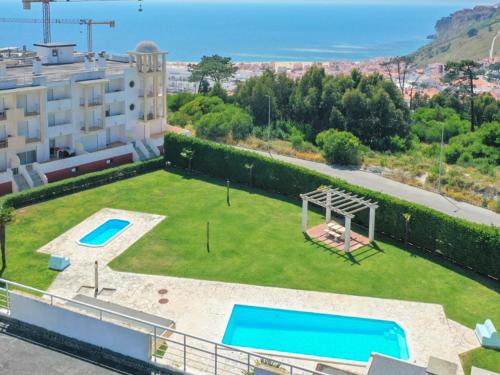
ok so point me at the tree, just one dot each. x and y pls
(401, 65)
(461, 75)
(339, 147)
(225, 120)
(216, 68)
(218, 91)
(6, 216)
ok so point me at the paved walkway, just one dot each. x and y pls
(376, 182)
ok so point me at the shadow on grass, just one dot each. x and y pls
(354, 258)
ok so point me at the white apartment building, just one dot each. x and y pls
(63, 114)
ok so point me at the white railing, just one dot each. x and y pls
(183, 351)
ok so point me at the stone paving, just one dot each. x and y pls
(202, 308)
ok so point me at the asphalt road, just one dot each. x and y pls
(376, 182)
(21, 357)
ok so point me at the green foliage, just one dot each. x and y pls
(339, 147)
(201, 105)
(80, 183)
(224, 120)
(429, 122)
(216, 68)
(468, 244)
(176, 101)
(482, 146)
(254, 93)
(218, 91)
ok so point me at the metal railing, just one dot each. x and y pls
(170, 347)
(91, 102)
(32, 111)
(52, 98)
(92, 126)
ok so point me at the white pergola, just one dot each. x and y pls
(342, 203)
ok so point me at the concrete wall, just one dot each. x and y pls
(103, 334)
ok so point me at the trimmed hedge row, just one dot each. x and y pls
(471, 245)
(80, 183)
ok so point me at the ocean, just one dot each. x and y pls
(246, 31)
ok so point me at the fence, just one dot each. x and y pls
(169, 347)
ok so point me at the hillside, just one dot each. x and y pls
(465, 34)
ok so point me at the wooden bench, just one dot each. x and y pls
(334, 234)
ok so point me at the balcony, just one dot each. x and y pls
(52, 98)
(4, 143)
(3, 114)
(32, 111)
(33, 139)
(92, 102)
(114, 119)
(149, 94)
(92, 126)
(149, 117)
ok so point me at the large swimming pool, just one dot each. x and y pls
(321, 335)
(104, 233)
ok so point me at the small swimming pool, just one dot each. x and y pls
(321, 335)
(104, 233)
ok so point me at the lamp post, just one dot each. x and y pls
(269, 124)
(441, 159)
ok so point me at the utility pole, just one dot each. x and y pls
(441, 158)
(269, 124)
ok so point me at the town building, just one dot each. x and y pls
(63, 113)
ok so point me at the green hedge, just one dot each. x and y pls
(83, 182)
(468, 244)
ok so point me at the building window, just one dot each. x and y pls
(131, 84)
(27, 157)
(132, 107)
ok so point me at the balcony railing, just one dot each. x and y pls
(92, 126)
(32, 111)
(113, 114)
(149, 94)
(112, 90)
(52, 98)
(149, 117)
(3, 114)
(59, 123)
(4, 143)
(33, 139)
(92, 102)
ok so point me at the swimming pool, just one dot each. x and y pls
(315, 334)
(104, 233)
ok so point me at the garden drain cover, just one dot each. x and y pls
(163, 301)
(163, 291)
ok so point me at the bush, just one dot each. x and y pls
(80, 183)
(468, 244)
(339, 147)
(225, 120)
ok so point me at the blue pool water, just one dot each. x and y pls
(104, 232)
(322, 335)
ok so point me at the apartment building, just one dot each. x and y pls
(63, 113)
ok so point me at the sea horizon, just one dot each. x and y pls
(248, 31)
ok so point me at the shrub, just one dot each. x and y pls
(468, 244)
(339, 147)
(225, 120)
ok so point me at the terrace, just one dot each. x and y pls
(256, 241)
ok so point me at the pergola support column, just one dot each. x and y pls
(347, 234)
(328, 213)
(304, 215)
(371, 228)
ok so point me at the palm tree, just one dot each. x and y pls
(6, 216)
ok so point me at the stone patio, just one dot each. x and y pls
(202, 308)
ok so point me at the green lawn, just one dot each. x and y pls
(256, 240)
(487, 359)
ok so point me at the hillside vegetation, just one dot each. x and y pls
(466, 34)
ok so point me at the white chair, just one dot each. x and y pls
(487, 334)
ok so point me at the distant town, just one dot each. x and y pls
(424, 81)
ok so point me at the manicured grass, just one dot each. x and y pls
(487, 359)
(256, 240)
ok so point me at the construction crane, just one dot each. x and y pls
(47, 37)
(87, 22)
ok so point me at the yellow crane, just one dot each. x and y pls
(47, 37)
(87, 22)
